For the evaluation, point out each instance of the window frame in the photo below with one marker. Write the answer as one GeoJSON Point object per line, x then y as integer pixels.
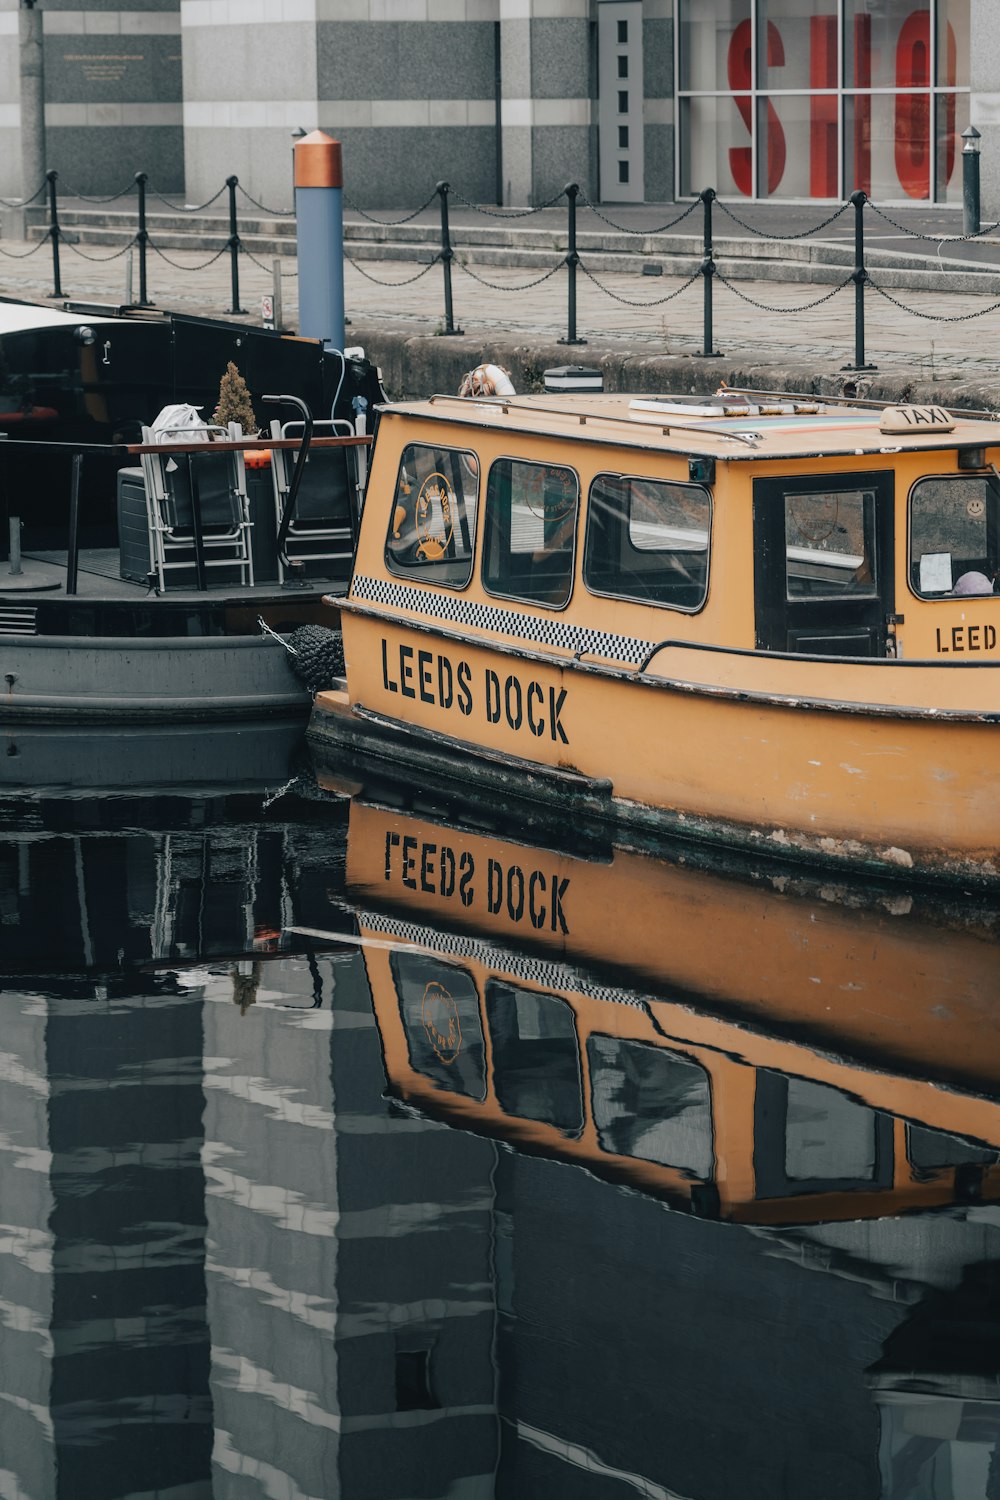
{"type": "Point", "coordinates": [400, 956]}
{"type": "Point", "coordinates": [689, 1058]}
{"type": "Point", "coordinates": [681, 609]}
{"type": "Point", "coordinates": [519, 598]}
{"type": "Point", "coordinates": [515, 987]}
{"type": "Point", "coordinates": [951, 597]}
{"type": "Point", "coordinates": [409, 575]}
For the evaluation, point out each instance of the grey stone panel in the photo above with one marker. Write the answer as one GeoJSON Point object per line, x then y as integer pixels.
{"type": "Point", "coordinates": [657, 59]}
{"type": "Point", "coordinates": [101, 159]}
{"type": "Point", "coordinates": [561, 154]}
{"type": "Point", "coordinates": [262, 159]}
{"type": "Point", "coordinates": [560, 59]}
{"type": "Point", "coordinates": [10, 162]}
{"type": "Point", "coordinates": [658, 141]}
{"type": "Point", "coordinates": [515, 58]}
{"type": "Point", "coordinates": [390, 168]}
{"type": "Point", "coordinates": [405, 60]}
{"type": "Point", "coordinates": [984, 76]}
{"type": "Point", "coordinates": [10, 72]}
{"type": "Point", "coordinates": [168, 5]}
{"type": "Point", "coordinates": [225, 62]}
{"type": "Point", "coordinates": [117, 69]}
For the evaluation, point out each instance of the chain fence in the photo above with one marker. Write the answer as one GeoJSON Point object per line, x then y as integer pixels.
{"type": "Point", "coordinates": [708, 272]}
{"type": "Point", "coordinates": [932, 239]}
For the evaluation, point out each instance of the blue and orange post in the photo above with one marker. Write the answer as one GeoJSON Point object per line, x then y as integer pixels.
{"type": "Point", "coordinates": [319, 212]}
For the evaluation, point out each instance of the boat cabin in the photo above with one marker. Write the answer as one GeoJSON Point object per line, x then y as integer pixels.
{"type": "Point", "coordinates": [599, 525]}
{"type": "Point", "coordinates": [764, 621]}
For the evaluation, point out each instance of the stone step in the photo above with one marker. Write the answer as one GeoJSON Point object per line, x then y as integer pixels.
{"type": "Point", "coordinates": [819, 261]}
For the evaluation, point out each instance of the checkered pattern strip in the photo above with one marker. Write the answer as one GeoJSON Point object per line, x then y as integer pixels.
{"type": "Point", "coordinates": [534, 970]}
{"type": "Point", "coordinates": [538, 628]}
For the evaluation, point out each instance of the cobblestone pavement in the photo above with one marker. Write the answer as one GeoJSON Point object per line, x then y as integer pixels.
{"type": "Point", "coordinates": [932, 334]}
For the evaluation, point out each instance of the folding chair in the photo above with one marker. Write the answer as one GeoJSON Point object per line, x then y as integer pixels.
{"type": "Point", "coordinates": [222, 536]}
{"type": "Point", "coordinates": [320, 528]}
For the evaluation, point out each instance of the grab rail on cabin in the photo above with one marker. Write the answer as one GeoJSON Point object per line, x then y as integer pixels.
{"type": "Point", "coordinates": [896, 662]}
{"type": "Point", "coordinates": [504, 404]}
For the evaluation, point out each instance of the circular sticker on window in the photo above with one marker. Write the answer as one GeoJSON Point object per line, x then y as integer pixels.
{"type": "Point", "coordinates": [439, 1014]}
{"type": "Point", "coordinates": [976, 508]}
{"type": "Point", "coordinates": [434, 517]}
{"type": "Point", "coordinates": [550, 493]}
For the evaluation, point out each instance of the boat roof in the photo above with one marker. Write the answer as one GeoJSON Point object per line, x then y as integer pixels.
{"type": "Point", "coordinates": [731, 425]}
{"type": "Point", "coordinates": [22, 317]}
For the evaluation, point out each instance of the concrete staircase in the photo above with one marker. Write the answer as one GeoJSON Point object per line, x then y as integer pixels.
{"type": "Point", "coordinates": [540, 242]}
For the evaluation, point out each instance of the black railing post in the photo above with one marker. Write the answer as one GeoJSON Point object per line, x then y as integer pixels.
{"type": "Point", "coordinates": [142, 237]}
{"type": "Point", "coordinates": [708, 351]}
{"type": "Point", "coordinates": [232, 183]}
{"type": "Point", "coordinates": [54, 232]}
{"type": "Point", "coordinates": [859, 277]}
{"type": "Point", "coordinates": [572, 191]}
{"type": "Point", "coordinates": [447, 256]}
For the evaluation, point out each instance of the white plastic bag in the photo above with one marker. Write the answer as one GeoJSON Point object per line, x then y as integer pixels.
{"type": "Point", "coordinates": [180, 424]}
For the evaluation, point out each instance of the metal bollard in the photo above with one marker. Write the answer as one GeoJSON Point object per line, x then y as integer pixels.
{"type": "Point", "coordinates": [708, 351]}
{"type": "Point", "coordinates": [54, 233]}
{"type": "Point", "coordinates": [142, 238]}
{"type": "Point", "coordinates": [447, 256]}
{"type": "Point", "coordinates": [572, 191]}
{"type": "Point", "coordinates": [232, 183]}
{"type": "Point", "coordinates": [859, 277]}
{"type": "Point", "coordinates": [970, 180]}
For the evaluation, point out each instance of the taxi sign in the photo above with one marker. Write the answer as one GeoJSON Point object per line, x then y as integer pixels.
{"type": "Point", "coordinates": [897, 419]}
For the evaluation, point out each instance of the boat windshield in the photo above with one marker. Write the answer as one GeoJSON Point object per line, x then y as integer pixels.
{"type": "Point", "coordinates": [955, 536]}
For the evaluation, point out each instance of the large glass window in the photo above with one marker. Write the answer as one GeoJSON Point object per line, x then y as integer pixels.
{"type": "Point", "coordinates": [530, 539]}
{"type": "Point", "coordinates": [955, 536]}
{"type": "Point", "coordinates": [432, 523]}
{"type": "Point", "coordinates": [766, 108]}
{"type": "Point", "coordinates": [648, 540]}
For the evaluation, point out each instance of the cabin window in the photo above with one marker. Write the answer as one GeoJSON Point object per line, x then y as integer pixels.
{"type": "Point", "coordinates": [432, 525]}
{"type": "Point", "coordinates": [536, 1061]}
{"type": "Point", "coordinates": [830, 545]}
{"type": "Point", "coordinates": [955, 536]}
{"type": "Point", "coordinates": [648, 540]}
{"type": "Point", "coordinates": [439, 1008]}
{"type": "Point", "coordinates": [530, 532]}
{"type": "Point", "coordinates": [651, 1104]}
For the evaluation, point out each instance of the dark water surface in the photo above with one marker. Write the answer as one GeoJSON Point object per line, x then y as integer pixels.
{"type": "Point", "coordinates": [349, 1150]}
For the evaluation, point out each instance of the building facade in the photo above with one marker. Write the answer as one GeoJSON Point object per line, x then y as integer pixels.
{"type": "Point", "coordinates": [637, 100]}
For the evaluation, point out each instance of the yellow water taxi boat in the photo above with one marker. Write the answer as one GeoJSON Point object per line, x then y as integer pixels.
{"type": "Point", "coordinates": [769, 622]}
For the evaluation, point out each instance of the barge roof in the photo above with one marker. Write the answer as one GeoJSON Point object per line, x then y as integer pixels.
{"type": "Point", "coordinates": [734, 426]}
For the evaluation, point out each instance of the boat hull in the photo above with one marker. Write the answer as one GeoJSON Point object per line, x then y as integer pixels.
{"type": "Point", "coordinates": [899, 788]}
{"type": "Point", "coordinates": [91, 680]}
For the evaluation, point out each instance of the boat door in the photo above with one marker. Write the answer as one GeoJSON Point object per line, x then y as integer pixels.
{"type": "Point", "coordinates": [823, 563]}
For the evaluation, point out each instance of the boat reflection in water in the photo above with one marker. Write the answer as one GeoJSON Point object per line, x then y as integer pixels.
{"type": "Point", "coordinates": [646, 1090]}
{"type": "Point", "coordinates": [248, 1253]}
